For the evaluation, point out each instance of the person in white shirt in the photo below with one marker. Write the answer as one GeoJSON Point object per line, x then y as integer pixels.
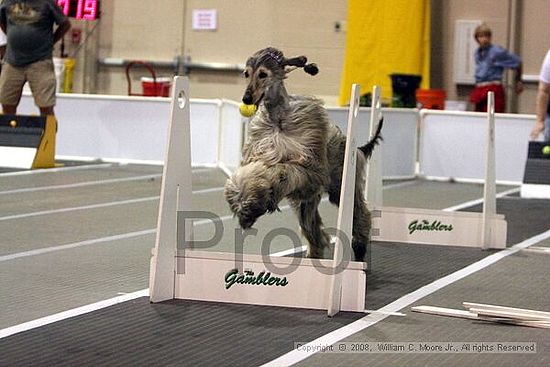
{"type": "Point", "coordinates": [542, 125]}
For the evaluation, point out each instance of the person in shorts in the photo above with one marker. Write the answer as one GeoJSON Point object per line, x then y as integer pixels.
{"type": "Point", "coordinates": [29, 27]}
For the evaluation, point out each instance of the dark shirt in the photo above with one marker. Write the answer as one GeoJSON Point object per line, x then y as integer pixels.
{"type": "Point", "coordinates": [29, 28]}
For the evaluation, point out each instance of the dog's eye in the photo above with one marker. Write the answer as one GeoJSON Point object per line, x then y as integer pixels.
{"type": "Point", "coordinates": [262, 75]}
{"type": "Point", "coordinates": [246, 75]}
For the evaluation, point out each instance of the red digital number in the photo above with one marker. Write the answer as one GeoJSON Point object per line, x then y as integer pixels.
{"type": "Point", "coordinates": [87, 9]}
{"type": "Point", "coordinates": [64, 4]}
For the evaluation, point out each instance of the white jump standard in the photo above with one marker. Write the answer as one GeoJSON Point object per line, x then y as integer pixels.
{"type": "Point", "coordinates": [410, 225]}
{"type": "Point", "coordinates": [240, 278]}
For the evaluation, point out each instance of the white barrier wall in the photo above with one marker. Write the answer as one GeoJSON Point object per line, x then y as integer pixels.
{"type": "Point", "coordinates": [399, 148]}
{"type": "Point", "coordinates": [231, 136]}
{"type": "Point", "coordinates": [128, 128]}
{"type": "Point", "coordinates": [452, 145]}
{"type": "Point", "coordinates": [205, 131]}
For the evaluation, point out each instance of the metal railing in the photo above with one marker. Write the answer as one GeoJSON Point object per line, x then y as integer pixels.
{"type": "Point", "coordinates": [179, 65]}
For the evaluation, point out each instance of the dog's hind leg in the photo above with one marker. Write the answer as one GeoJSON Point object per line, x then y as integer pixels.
{"type": "Point", "coordinates": [312, 226]}
{"type": "Point", "coordinates": [361, 229]}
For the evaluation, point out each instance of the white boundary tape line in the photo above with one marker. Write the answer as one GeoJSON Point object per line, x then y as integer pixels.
{"type": "Point", "coordinates": [94, 241]}
{"type": "Point", "coordinates": [90, 183]}
{"type": "Point", "coordinates": [399, 184]}
{"type": "Point", "coordinates": [335, 336]}
{"type": "Point", "coordinates": [479, 201]}
{"type": "Point", "coordinates": [290, 251]}
{"type": "Point", "coordinates": [75, 208]}
{"type": "Point", "coordinates": [59, 169]}
{"type": "Point", "coordinates": [71, 313]}
{"type": "Point", "coordinates": [80, 184]}
{"type": "Point", "coordinates": [99, 205]}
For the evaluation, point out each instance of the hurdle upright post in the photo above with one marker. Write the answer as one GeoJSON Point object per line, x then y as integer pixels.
{"type": "Point", "coordinates": [373, 189]}
{"type": "Point", "coordinates": [373, 171]}
{"type": "Point", "coordinates": [489, 188]}
{"type": "Point", "coordinates": [175, 195]}
{"type": "Point", "coordinates": [344, 226]}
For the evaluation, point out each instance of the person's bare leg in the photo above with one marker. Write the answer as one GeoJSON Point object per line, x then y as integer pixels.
{"type": "Point", "coordinates": [9, 109]}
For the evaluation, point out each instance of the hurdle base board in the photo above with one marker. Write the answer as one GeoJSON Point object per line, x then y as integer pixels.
{"type": "Point", "coordinates": [393, 224]}
{"type": "Point", "coordinates": [535, 191]}
{"type": "Point", "coordinates": [17, 157]}
{"type": "Point", "coordinates": [201, 275]}
{"type": "Point", "coordinates": [37, 154]}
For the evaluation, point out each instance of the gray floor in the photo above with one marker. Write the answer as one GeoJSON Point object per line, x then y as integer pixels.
{"type": "Point", "coordinates": [520, 280]}
{"type": "Point", "coordinates": [75, 237]}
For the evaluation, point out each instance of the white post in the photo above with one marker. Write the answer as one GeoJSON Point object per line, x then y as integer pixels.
{"type": "Point", "coordinates": [373, 189]}
{"type": "Point", "coordinates": [175, 195]}
{"type": "Point", "coordinates": [489, 190]}
{"type": "Point", "coordinates": [345, 210]}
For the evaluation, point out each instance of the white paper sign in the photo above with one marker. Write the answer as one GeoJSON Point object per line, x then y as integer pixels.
{"type": "Point", "coordinates": [205, 19]}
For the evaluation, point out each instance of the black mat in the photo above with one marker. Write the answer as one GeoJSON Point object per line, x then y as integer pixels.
{"type": "Point", "coordinates": [537, 171]}
{"type": "Point", "coordinates": [175, 333]}
{"type": "Point", "coordinates": [184, 333]}
{"type": "Point", "coordinates": [525, 217]}
{"type": "Point", "coordinates": [399, 269]}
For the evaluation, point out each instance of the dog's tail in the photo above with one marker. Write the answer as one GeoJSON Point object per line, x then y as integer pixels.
{"type": "Point", "coordinates": [369, 147]}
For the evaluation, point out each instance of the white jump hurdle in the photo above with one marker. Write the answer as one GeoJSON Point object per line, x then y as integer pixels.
{"type": "Point", "coordinates": [410, 225]}
{"type": "Point", "coordinates": [241, 278]}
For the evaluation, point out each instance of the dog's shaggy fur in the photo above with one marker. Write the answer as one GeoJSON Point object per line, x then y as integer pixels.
{"type": "Point", "coordinates": [293, 151]}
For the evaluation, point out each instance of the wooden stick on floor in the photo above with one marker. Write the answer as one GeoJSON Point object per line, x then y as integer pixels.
{"type": "Point", "coordinates": [507, 311]}
{"type": "Point", "coordinates": [450, 312]}
{"type": "Point", "coordinates": [537, 249]}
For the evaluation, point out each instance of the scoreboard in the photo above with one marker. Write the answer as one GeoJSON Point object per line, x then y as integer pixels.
{"type": "Point", "coordinates": [80, 9]}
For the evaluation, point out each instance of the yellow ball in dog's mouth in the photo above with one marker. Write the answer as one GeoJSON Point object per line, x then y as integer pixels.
{"type": "Point", "coordinates": [247, 110]}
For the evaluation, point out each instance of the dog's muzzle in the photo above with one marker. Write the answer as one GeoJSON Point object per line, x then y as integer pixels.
{"type": "Point", "coordinates": [247, 98]}
{"type": "Point", "coordinates": [246, 222]}
{"type": "Point", "coordinates": [247, 218]}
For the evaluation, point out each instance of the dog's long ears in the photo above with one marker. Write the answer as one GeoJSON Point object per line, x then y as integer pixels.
{"type": "Point", "coordinates": [369, 147]}
{"type": "Point", "coordinates": [311, 69]}
{"type": "Point", "coordinates": [301, 62]}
